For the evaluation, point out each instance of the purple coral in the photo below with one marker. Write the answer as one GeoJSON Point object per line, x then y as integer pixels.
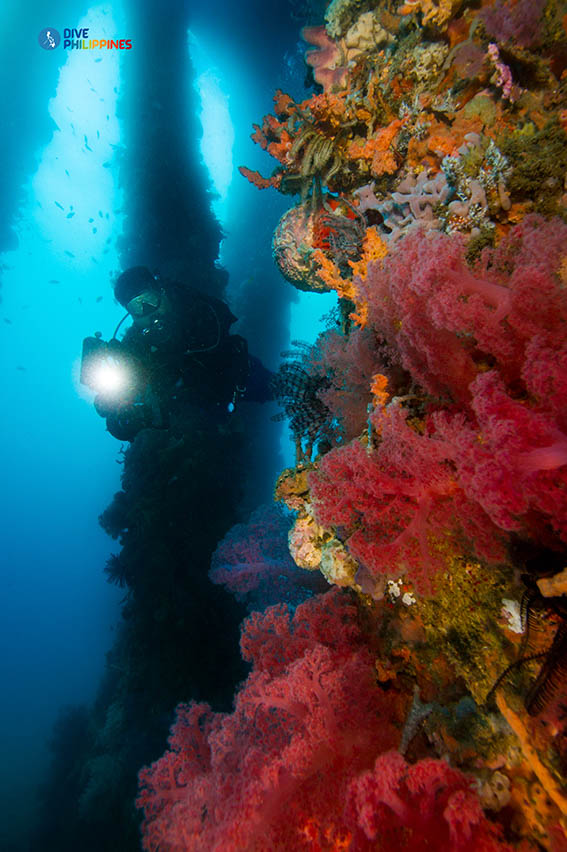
{"type": "Point", "coordinates": [413, 204]}
{"type": "Point", "coordinates": [515, 22]}
{"type": "Point", "coordinates": [253, 562]}
{"type": "Point", "coordinates": [324, 59]}
{"type": "Point", "coordinates": [504, 81]}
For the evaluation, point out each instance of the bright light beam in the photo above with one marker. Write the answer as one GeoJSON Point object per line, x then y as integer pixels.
{"type": "Point", "coordinates": [110, 378]}
{"type": "Point", "coordinates": [218, 131]}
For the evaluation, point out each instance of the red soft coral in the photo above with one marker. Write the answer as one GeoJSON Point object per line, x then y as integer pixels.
{"type": "Point", "coordinates": [425, 806]}
{"type": "Point", "coordinates": [511, 460]}
{"type": "Point", "coordinates": [446, 321]}
{"type": "Point", "coordinates": [393, 504]}
{"type": "Point", "coordinates": [274, 773]}
{"type": "Point", "coordinates": [492, 342]}
{"type": "Point", "coordinates": [349, 362]}
{"type": "Point", "coordinates": [271, 640]}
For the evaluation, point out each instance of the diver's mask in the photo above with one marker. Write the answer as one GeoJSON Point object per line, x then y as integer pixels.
{"type": "Point", "coordinates": [144, 304]}
{"type": "Point", "coordinates": [151, 313]}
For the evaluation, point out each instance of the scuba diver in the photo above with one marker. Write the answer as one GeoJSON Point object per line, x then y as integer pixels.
{"type": "Point", "coordinates": [178, 348]}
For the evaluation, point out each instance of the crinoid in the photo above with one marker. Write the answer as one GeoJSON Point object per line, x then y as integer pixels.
{"type": "Point", "coordinates": [315, 155]}
{"type": "Point", "coordinates": [536, 611]}
{"type": "Point", "coordinates": [296, 390]}
{"type": "Point", "coordinates": [117, 570]}
{"type": "Point", "coordinates": [552, 676]}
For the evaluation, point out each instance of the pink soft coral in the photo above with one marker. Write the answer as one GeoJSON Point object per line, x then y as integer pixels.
{"type": "Point", "coordinates": [446, 321]}
{"type": "Point", "coordinates": [311, 732]}
{"type": "Point", "coordinates": [254, 563]}
{"type": "Point", "coordinates": [274, 773]}
{"type": "Point", "coordinates": [512, 459]}
{"type": "Point", "coordinates": [425, 806]}
{"type": "Point", "coordinates": [393, 503]}
{"type": "Point", "coordinates": [489, 455]}
{"type": "Point", "coordinates": [324, 59]}
{"type": "Point", "coordinates": [349, 362]}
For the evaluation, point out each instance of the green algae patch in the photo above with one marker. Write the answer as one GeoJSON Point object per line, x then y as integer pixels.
{"type": "Point", "coordinates": [539, 163]}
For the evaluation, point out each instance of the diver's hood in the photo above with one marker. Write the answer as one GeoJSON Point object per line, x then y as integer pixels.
{"type": "Point", "coordinates": [132, 282]}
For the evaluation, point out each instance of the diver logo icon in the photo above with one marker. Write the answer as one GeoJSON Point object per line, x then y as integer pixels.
{"type": "Point", "coordinates": [49, 38]}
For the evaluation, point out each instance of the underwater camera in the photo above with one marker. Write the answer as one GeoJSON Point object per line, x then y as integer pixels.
{"type": "Point", "coordinates": [104, 368]}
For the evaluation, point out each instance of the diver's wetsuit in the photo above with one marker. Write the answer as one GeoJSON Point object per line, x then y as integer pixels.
{"type": "Point", "coordinates": [187, 353]}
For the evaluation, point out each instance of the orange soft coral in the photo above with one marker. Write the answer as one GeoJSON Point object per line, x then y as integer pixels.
{"type": "Point", "coordinates": [279, 150]}
{"type": "Point", "coordinates": [257, 179]}
{"type": "Point", "coordinates": [345, 288]}
{"type": "Point", "coordinates": [373, 249]}
{"type": "Point", "coordinates": [327, 109]}
{"type": "Point", "coordinates": [442, 140]}
{"type": "Point", "coordinates": [438, 12]}
{"type": "Point", "coordinates": [283, 103]}
{"type": "Point", "coordinates": [379, 149]}
{"type": "Point", "coordinates": [379, 392]}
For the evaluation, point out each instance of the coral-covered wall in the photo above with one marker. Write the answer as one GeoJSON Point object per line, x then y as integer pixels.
{"type": "Point", "coordinates": [422, 703]}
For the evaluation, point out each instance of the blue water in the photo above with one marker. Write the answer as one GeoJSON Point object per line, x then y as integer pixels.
{"type": "Point", "coordinates": [61, 154]}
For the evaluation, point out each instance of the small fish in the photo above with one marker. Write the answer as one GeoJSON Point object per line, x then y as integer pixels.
{"type": "Point", "coordinates": [100, 213]}
{"type": "Point", "coordinates": [95, 230]}
{"type": "Point", "coordinates": [70, 215]}
{"type": "Point", "coordinates": [69, 108]}
{"type": "Point", "coordinates": [54, 281]}
{"type": "Point", "coordinates": [99, 59]}
{"type": "Point", "coordinates": [59, 205]}
{"type": "Point", "coordinates": [88, 148]}
{"type": "Point", "coordinates": [98, 134]}
{"type": "Point", "coordinates": [70, 253]}
{"type": "Point", "coordinates": [108, 215]}
{"type": "Point", "coordinates": [21, 369]}
{"type": "Point", "coordinates": [106, 165]}
{"type": "Point", "coordinates": [93, 90]}
{"type": "Point", "coordinates": [94, 260]}
{"type": "Point", "coordinates": [99, 298]}
{"type": "Point", "coordinates": [7, 321]}
{"type": "Point", "coordinates": [91, 220]}
{"type": "Point", "coordinates": [108, 239]}
{"type": "Point", "coordinates": [116, 90]}
{"type": "Point", "coordinates": [80, 301]}
{"type": "Point", "coordinates": [67, 172]}
{"type": "Point", "coordinates": [108, 118]}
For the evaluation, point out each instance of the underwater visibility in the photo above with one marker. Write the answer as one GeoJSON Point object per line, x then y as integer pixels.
{"type": "Point", "coordinates": [290, 573]}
